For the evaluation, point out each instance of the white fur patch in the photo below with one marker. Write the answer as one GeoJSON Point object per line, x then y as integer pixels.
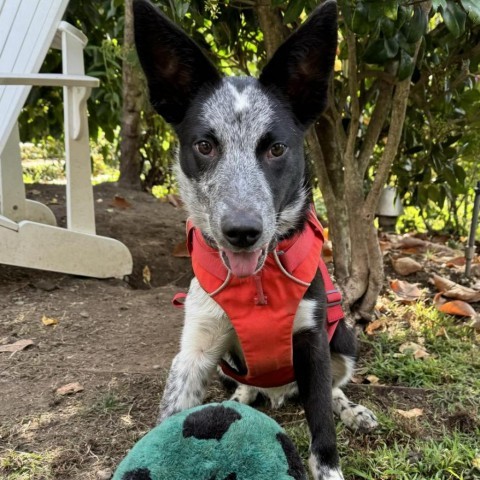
{"type": "Point", "coordinates": [241, 99]}
{"type": "Point", "coordinates": [305, 316]}
{"type": "Point", "coordinates": [322, 472]}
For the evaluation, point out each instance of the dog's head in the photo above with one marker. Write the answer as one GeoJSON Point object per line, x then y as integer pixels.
{"type": "Point", "coordinates": [241, 164]}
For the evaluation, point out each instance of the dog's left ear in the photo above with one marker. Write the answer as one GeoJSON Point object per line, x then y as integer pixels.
{"type": "Point", "coordinates": [301, 67]}
{"type": "Point", "coordinates": [175, 67]}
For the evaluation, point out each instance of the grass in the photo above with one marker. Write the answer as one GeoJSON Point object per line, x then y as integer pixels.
{"type": "Point", "coordinates": [442, 443]}
{"type": "Point", "coordinates": [17, 465]}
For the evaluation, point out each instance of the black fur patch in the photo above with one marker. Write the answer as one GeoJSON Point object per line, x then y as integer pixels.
{"type": "Point", "coordinates": [210, 423]}
{"type": "Point", "coordinates": [230, 476]}
{"type": "Point", "coordinates": [137, 474]}
{"type": "Point", "coordinates": [295, 466]}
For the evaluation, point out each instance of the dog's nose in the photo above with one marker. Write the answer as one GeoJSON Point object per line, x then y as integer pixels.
{"type": "Point", "coordinates": [242, 230]}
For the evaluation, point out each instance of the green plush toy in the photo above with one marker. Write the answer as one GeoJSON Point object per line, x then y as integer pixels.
{"type": "Point", "coordinates": [218, 441]}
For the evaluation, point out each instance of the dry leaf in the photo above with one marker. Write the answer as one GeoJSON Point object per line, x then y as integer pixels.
{"type": "Point", "coordinates": [69, 389]}
{"type": "Point", "coordinates": [376, 325]}
{"type": "Point", "coordinates": [385, 246]}
{"type": "Point", "coordinates": [373, 379]}
{"type": "Point", "coordinates": [180, 250]}
{"type": "Point", "coordinates": [120, 202]}
{"type": "Point", "coordinates": [406, 292]}
{"type": "Point", "coordinates": [454, 290]}
{"type": "Point", "coordinates": [410, 242]}
{"type": "Point", "coordinates": [418, 351]}
{"type": "Point", "coordinates": [406, 266]}
{"type": "Point", "coordinates": [456, 262]}
{"type": "Point", "coordinates": [147, 276]}
{"type": "Point", "coordinates": [16, 347]}
{"type": "Point", "coordinates": [457, 307]}
{"type": "Point", "coordinates": [413, 413]}
{"type": "Point", "coordinates": [49, 321]}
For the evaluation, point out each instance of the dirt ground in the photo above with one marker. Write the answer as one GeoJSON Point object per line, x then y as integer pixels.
{"type": "Point", "coordinates": [115, 337]}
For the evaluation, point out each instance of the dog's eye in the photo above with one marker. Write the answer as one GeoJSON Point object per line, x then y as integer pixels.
{"type": "Point", "coordinates": [204, 148]}
{"type": "Point", "coordinates": [277, 150]}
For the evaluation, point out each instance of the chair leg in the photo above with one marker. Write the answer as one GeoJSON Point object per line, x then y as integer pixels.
{"type": "Point", "coordinates": [12, 189]}
{"type": "Point", "coordinates": [80, 204]}
{"type": "Point", "coordinates": [13, 204]}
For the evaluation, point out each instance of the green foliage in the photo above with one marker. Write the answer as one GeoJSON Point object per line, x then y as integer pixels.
{"type": "Point", "coordinates": [436, 164]}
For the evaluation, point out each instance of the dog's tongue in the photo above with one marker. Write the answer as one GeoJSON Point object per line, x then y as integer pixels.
{"type": "Point", "coordinates": [243, 264]}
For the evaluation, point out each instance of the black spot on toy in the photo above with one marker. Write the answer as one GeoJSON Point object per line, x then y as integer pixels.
{"type": "Point", "coordinates": [227, 441]}
{"type": "Point", "coordinates": [137, 474]}
{"type": "Point", "coordinates": [212, 422]}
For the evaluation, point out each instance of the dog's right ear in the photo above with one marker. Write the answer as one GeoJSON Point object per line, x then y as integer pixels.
{"type": "Point", "coordinates": [174, 65]}
{"type": "Point", "coordinates": [301, 67]}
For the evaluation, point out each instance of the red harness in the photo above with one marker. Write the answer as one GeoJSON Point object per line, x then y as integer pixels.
{"type": "Point", "coordinates": [262, 307]}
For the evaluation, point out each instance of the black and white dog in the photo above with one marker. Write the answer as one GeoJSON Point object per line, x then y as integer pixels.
{"type": "Point", "coordinates": [243, 178]}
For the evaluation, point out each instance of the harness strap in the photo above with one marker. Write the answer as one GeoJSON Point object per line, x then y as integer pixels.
{"type": "Point", "coordinates": [334, 300]}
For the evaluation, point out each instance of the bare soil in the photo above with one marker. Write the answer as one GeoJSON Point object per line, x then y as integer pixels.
{"type": "Point", "coordinates": [115, 337]}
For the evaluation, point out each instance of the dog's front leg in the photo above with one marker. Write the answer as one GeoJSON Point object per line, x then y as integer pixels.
{"type": "Point", "coordinates": [311, 359]}
{"type": "Point", "coordinates": [206, 336]}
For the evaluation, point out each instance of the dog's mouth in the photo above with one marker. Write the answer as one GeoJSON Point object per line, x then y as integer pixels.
{"type": "Point", "coordinates": [244, 264]}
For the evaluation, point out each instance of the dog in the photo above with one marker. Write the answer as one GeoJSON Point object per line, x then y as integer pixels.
{"type": "Point", "coordinates": [244, 179]}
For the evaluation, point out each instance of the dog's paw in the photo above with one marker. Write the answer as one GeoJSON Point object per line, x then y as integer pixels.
{"type": "Point", "coordinates": [358, 418]}
{"type": "Point", "coordinates": [322, 472]}
{"type": "Point", "coordinates": [244, 394]}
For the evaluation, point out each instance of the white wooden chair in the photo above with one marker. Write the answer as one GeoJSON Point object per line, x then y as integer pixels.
{"type": "Point", "coordinates": [29, 236]}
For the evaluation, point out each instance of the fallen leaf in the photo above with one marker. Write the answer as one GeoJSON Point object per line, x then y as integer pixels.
{"type": "Point", "coordinates": [454, 290]}
{"type": "Point", "coordinates": [147, 276]}
{"type": "Point", "coordinates": [180, 250]}
{"type": "Point", "coordinates": [411, 242]}
{"type": "Point", "coordinates": [17, 346]}
{"type": "Point", "coordinates": [418, 351]}
{"type": "Point", "coordinates": [385, 246]}
{"type": "Point", "coordinates": [413, 413]}
{"type": "Point", "coordinates": [456, 262]}
{"type": "Point", "coordinates": [406, 292]}
{"type": "Point", "coordinates": [69, 389]}
{"type": "Point", "coordinates": [49, 321]}
{"type": "Point", "coordinates": [406, 266]}
{"type": "Point", "coordinates": [475, 270]}
{"type": "Point", "coordinates": [174, 200]}
{"type": "Point", "coordinates": [457, 307]}
{"type": "Point", "coordinates": [373, 379]}
{"type": "Point", "coordinates": [375, 325]}
{"type": "Point", "coordinates": [120, 202]}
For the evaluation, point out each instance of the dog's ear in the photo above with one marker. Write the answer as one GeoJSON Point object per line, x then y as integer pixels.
{"type": "Point", "coordinates": [174, 65]}
{"type": "Point", "coordinates": [301, 67]}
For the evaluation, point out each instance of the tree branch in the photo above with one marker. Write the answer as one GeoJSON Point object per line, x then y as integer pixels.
{"type": "Point", "coordinates": [354, 102]}
{"type": "Point", "coordinates": [379, 115]}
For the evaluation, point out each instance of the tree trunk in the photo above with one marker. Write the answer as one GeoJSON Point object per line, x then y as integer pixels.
{"type": "Point", "coordinates": [133, 100]}
{"type": "Point", "coordinates": [340, 166]}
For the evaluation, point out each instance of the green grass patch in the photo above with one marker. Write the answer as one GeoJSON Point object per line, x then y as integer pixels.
{"type": "Point", "coordinates": [16, 465]}
{"type": "Point", "coordinates": [442, 443]}
{"type": "Point", "coordinates": [453, 361]}
{"type": "Point", "coordinates": [449, 457]}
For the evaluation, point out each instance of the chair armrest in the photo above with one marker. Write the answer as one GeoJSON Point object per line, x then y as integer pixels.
{"type": "Point", "coordinates": [48, 80]}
